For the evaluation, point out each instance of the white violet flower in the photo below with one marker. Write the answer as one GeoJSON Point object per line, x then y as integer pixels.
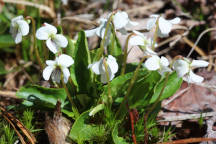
{"type": "Point", "coordinates": [140, 40]}
{"type": "Point", "coordinates": [99, 31]}
{"type": "Point", "coordinates": [121, 21]}
{"type": "Point", "coordinates": [184, 67]}
{"type": "Point", "coordinates": [57, 67]}
{"type": "Point", "coordinates": [165, 26]}
{"type": "Point", "coordinates": [99, 68]}
{"type": "Point", "coordinates": [54, 41]}
{"type": "Point", "coordinates": [157, 63]}
{"type": "Point", "coordinates": [19, 27]}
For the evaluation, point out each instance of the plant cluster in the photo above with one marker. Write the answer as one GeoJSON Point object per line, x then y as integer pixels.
{"type": "Point", "coordinates": [99, 105]}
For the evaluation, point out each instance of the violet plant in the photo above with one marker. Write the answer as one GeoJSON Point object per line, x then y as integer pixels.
{"type": "Point", "coordinates": [98, 86]}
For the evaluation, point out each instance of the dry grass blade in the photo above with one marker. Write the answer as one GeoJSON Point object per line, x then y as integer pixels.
{"type": "Point", "coordinates": [15, 122]}
{"type": "Point", "coordinates": [27, 3]}
{"type": "Point", "coordinates": [190, 140]}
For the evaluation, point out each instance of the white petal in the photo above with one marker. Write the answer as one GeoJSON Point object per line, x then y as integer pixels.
{"type": "Point", "coordinates": [164, 26]}
{"type": "Point", "coordinates": [14, 20]}
{"type": "Point", "coordinates": [152, 63]}
{"type": "Point", "coordinates": [164, 61]}
{"type": "Point", "coordinates": [131, 23]}
{"type": "Point", "coordinates": [112, 64]}
{"type": "Point", "coordinates": [104, 78]}
{"type": "Point", "coordinates": [61, 40]}
{"type": "Point", "coordinates": [50, 62]}
{"type": "Point", "coordinates": [149, 51]}
{"type": "Point", "coordinates": [181, 67]}
{"type": "Point", "coordinates": [47, 72]}
{"type": "Point", "coordinates": [23, 27]}
{"type": "Point", "coordinates": [18, 37]}
{"type": "Point", "coordinates": [91, 32]}
{"type": "Point", "coordinates": [175, 20]}
{"type": "Point", "coordinates": [95, 66]}
{"type": "Point", "coordinates": [136, 40]}
{"type": "Point", "coordinates": [193, 78]}
{"type": "Point", "coordinates": [100, 31]}
{"type": "Point", "coordinates": [66, 74]}
{"type": "Point", "coordinates": [65, 60]}
{"type": "Point", "coordinates": [42, 34]}
{"type": "Point", "coordinates": [164, 69]}
{"type": "Point", "coordinates": [50, 28]}
{"type": "Point", "coordinates": [151, 23]}
{"type": "Point", "coordinates": [52, 46]}
{"type": "Point", "coordinates": [199, 63]}
{"type": "Point", "coordinates": [154, 16]}
{"type": "Point", "coordinates": [120, 20]}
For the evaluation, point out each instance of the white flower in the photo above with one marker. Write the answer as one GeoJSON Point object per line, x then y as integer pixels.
{"type": "Point", "coordinates": [184, 69]}
{"type": "Point", "coordinates": [64, 2]}
{"type": "Point", "coordinates": [99, 31]}
{"type": "Point", "coordinates": [141, 40]}
{"type": "Point", "coordinates": [121, 21]}
{"type": "Point", "coordinates": [19, 27]}
{"type": "Point", "coordinates": [56, 67]}
{"type": "Point", "coordinates": [165, 26]}
{"type": "Point", "coordinates": [157, 63]}
{"type": "Point", "coordinates": [99, 68]}
{"type": "Point", "coordinates": [54, 41]}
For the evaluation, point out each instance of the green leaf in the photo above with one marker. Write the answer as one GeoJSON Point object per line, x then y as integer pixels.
{"type": "Point", "coordinates": [38, 95]}
{"type": "Point", "coordinates": [116, 138]}
{"type": "Point", "coordinates": [173, 84]}
{"type": "Point", "coordinates": [82, 60]}
{"type": "Point", "coordinates": [6, 41]}
{"type": "Point", "coordinates": [141, 91]}
{"type": "Point", "coordinates": [2, 68]}
{"type": "Point", "coordinates": [120, 83]}
{"type": "Point", "coordinates": [81, 131]}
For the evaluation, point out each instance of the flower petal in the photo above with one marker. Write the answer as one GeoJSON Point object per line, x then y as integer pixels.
{"type": "Point", "coordinates": [47, 72]}
{"type": "Point", "coordinates": [151, 23]}
{"type": "Point", "coordinates": [120, 20]}
{"type": "Point", "coordinates": [91, 32]}
{"type": "Point", "coordinates": [199, 63]}
{"type": "Point", "coordinates": [95, 67]}
{"type": "Point", "coordinates": [50, 28]}
{"type": "Point", "coordinates": [175, 20]}
{"type": "Point", "coordinates": [163, 70]}
{"type": "Point", "coordinates": [136, 40]}
{"type": "Point", "coordinates": [15, 19]}
{"type": "Point", "coordinates": [164, 61]}
{"type": "Point", "coordinates": [181, 67]}
{"type": "Point", "coordinates": [65, 60]}
{"type": "Point", "coordinates": [193, 78]}
{"type": "Point", "coordinates": [52, 46]}
{"type": "Point", "coordinates": [164, 26]}
{"type": "Point", "coordinates": [42, 34]}
{"type": "Point", "coordinates": [66, 74]}
{"type": "Point", "coordinates": [131, 23]}
{"type": "Point", "coordinates": [112, 64]}
{"type": "Point", "coordinates": [50, 62]}
{"type": "Point", "coordinates": [23, 27]}
{"type": "Point", "coordinates": [61, 40]}
{"type": "Point", "coordinates": [152, 63]}
{"type": "Point", "coordinates": [149, 51]}
{"type": "Point", "coordinates": [18, 37]}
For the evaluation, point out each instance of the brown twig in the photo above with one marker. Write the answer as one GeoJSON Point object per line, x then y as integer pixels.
{"type": "Point", "coordinates": [189, 140]}
{"type": "Point", "coordinates": [132, 124]}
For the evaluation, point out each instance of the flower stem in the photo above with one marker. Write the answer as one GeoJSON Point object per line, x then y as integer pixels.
{"type": "Point", "coordinates": [125, 54]}
{"type": "Point", "coordinates": [74, 108]}
{"type": "Point", "coordinates": [108, 82]}
{"type": "Point", "coordinates": [133, 79]}
{"type": "Point", "coordinates": [155, 34]}
{"type": "Point", "coordinates": [34, 42]}
{"type": "Point", "coordinates": [153, 107]}
{"type": "Point", "coordinates": [104, 37]}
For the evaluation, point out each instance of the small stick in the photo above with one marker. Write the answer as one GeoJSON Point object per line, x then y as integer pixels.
{"type": "Point", "coordinates": [189, 140]}
{"type": "Point", "coordinates": [187, 116]}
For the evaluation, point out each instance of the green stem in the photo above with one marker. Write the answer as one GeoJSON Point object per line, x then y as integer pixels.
{"type": "Point", "coordinates": [155, 34]}
{"type": "Point", "coordinates": [74, 108]}
{"type": "Point", "coordinates": [130, 86]}
{"type": "Point", "coordinates": [104, 37]}
{"type": "Point", "coordinates": [125, 54]}
{"type": "Point", "coordinates": [34, 42]}
{"type": "Point", "coordinates": [108, 82]}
